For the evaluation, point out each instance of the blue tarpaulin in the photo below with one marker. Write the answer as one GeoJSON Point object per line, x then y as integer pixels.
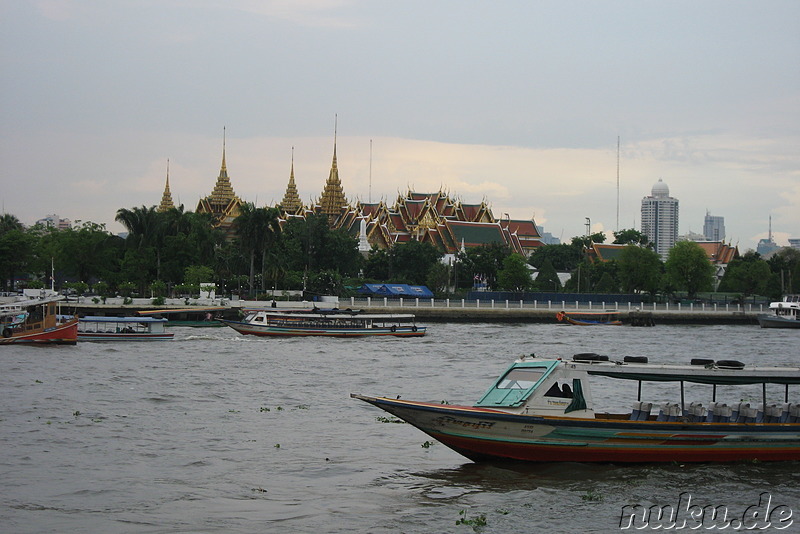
{"type": "Point", "coordinates": [396, 290]}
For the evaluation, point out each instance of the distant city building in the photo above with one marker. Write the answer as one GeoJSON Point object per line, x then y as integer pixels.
{"type": "Point", "coordinates": [53, 221]}
{"type": "Point", "coordinates": [547, 237]}
{"type": "Point", "coordinates": [693, 236]}
{"type": "Point", "coordinates": [714, 228]}
{"type": "Point", "coordinates": [766, 247]}
{"type": "Point", "coordinates": [660, 218]}
{"type": "Point", "coordinates": [794, 242]}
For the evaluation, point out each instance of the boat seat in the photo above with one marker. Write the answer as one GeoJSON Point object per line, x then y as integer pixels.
{"type": "Point", "coordinates": [711, 415]}
{"type": "Point", "coordinates": [722, 413]}
{"type": "Point", "coordinates": [644, 412]}
{"type": "Point", "coordinates": [669, 412]}
{"type": "Point", "coordinates": [760, 414]}
{"type": "Point", "coordinates": [698, 413]}
{"type": "Point", "coordinates": [635, 411]}
{"type": "Point", "coordinates": [736, 412]}
{"type": "Point", "coordinates": [794, 413]}
{"type": "Point", "coordinates": [747, 414]}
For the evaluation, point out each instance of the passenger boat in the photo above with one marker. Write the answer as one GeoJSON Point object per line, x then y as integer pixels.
{"type": "Point", "coordinates": [36, 321]}
{"type": "Point", "coordinates": [97, 328]}
{"type": "Point", "coordinates": [783, 314]}
{"type": "Point", "coordinates": [543, 410]}
{"type": "Point", "coordinates": [335, 323]}
{"type": "Point", "coordinates": [586, 318]}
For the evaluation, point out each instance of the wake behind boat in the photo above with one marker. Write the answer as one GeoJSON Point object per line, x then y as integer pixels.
{"type": "Point", "coordinates": [542, 410]}
{"type": "Point", "coordinates": [335, 323]}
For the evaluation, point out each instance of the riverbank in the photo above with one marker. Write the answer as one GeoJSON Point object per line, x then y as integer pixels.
{"type": "Point", "coordinates": [436, 314]}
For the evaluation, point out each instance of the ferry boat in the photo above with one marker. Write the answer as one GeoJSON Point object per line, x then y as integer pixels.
{"type": "Point", "coordinates": [36, 321]}
{"type": "Point", "coordinates": [98, 328]}
{"type": "Point", "coordinates": [542, 410]}
{"type": "Point", "coordinates": [587, 318]}
{"type": "Point", "coordinates": [783, 314]}
{"type": "Point", "coordinates": [335, 323]}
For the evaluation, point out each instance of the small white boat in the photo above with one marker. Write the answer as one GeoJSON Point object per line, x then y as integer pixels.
{"type": "Point", "coordinates": [334, 323]}
{"type": "Point", "coordinates": [783, 314]}
{"type": "Point", "coordinates": [97, 328]}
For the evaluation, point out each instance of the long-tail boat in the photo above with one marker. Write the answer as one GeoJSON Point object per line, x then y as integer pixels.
{"type": "Point", "coordinates": [542, 410]}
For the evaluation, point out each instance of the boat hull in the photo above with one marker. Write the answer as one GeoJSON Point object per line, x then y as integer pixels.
{"type": "Point", "coordinates": [278, 331]}
{"type": "Point", "coordinates": [63, 334]}
{"type": "Point", "coordinates": [484, 434]}
{"type": "Point", "coordinates": [774, 321]}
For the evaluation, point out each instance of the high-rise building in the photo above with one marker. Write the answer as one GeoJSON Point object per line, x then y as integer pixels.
{"type": "Point", "coordinates": [660, 218]}
{"type": "Point", "coordinates": [714, 228]}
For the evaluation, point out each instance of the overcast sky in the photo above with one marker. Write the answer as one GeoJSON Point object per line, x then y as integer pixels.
{"type": "Point", "coordinates": [518, 103]}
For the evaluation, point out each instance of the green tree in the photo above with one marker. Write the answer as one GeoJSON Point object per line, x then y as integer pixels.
{"type": "Point", "coordinates": [587, 241]}
{"type": "Point", "coordinates": [515, 274]}
{"type": "Point", "coordinates": [438, 279]}
{"type": "Point", "coordinates": [639, 270]}
{"type": "Point", "coordinates": [16, 254]}
{"type": "Point", "coordinates": [785, 266]}
{"type": "Point", "coordinates": [748, 275]}
{"type": "Point", "coordinates": [257, 230]}
{"type": "Point", "coordinates": [547, 279]}
{"type": "Point", "coordinates": [483, 262]}
{"type": "Point", "coordinates": [147, 228]}
{"type": "Point", "coordinates": [563, 257]}
{"type": "Point", "coordinates": [631, 237]}
{"type": "Point", "coordinates": [688, 268]}
{"type": "Point", "coordinates": [194, 275]}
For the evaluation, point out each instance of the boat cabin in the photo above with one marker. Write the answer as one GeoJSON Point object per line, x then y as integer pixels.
{"type": "Point", "coordinates": [558, 388]}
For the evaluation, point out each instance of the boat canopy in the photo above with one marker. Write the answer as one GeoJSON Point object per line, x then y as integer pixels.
{"type": "Point", "coordinates": [684, 373]}
{"type": "Point", "coordinates": [103, 319]}
{"type": "Point", "coordinates": [514, 386]}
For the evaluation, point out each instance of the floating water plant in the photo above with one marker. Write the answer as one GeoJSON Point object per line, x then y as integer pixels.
{"type": "Point", "coordinates": [475, 522]}
{"type": "Point", "coordinates": [389, 420]}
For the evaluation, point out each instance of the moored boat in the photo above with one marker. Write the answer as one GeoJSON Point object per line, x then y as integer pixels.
{"type": "Point", "coordinates": [334, 323]}
{"type": "Point", "coordinates": [36, 321]}
{"type": "Point", "coordinates": [98, 328]}
{"type": "Point", "coordinates": [195, 316]}
{"type": "Point", "coordinates": [782, 314]}
{"type": "Point", "coordinates": [588, 318]}
{"type": "Point", "coordinates": [543, 410]}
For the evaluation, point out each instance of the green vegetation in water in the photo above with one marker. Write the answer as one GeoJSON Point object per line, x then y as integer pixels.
{"type": "Point", "coordinates": [38, 381]}
{"type": "Point", "coordinates": [427, 444]}
{"type": "Point", "coordinates": [475, 522]}
{"type": "Point", "coordinates": [277, 445]}
{"type": "Point", "coordinates": [382, 419]}
{"type": "Point", "coordinates": [279, 408]}
{"type": "Point", "coordinates": [302, 407]}
{"type": "Point", "coordinates": [592, 496]}
{"type": "Point", "coordinates": [76, 413]}
{"type": "Point", "coordinates": [264, 409]}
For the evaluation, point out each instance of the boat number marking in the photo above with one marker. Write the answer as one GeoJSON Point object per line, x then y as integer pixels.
{"type": "Point", "coordinates": [446, 419]}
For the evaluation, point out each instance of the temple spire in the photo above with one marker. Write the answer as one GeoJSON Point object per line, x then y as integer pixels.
{"type": "Point", "coordinates": [166, 198]}
{"type": "Point", "coordinates": [223, 190]}
{"type": "Point", "coordinates": [333, 200]}
{"type": "Point", "coordinates": [291, 202]}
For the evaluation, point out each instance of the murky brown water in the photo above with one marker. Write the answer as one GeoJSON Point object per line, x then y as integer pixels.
{"type": "Point", "coordinates": [215, 432]}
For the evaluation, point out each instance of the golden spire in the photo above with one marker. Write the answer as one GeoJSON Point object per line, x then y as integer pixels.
{"type": "Point", "coordinates": [223, 191]}
{"type": "Point", "coordinates": [166, 198]}
{"type": "Point", "coordinates": [291, 202]}
{"type": "Point", "coordinates": [332, 200]}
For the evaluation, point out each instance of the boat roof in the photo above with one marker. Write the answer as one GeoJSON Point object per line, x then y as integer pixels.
{"type": "Point", "coordinates": [180, 310]}
{"type": "Point", "coordinates": [103, 319]}
{"type": "Point", "coordinates": [717, 373]}
{"type": "Point", "coordinates": [323, 314]}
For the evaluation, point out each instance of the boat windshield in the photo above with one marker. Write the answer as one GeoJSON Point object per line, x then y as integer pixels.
{"type": "Point", "coordinates": [521, 378]}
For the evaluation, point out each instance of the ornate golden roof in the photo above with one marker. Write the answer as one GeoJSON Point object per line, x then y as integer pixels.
{"type": "Point", "coordinates": [291, 202]}
{"type": "Point", "coordinates": [332, 200]}
{"type": "Point", "coordinates": [166, 198]}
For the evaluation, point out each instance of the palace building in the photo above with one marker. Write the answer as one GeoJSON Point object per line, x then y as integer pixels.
{"type": "Point", "coordinates": [435, 218]}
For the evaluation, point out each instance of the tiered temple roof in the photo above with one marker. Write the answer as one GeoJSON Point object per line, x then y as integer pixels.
{"type": "Point", "coordinates": [291, 203]}
{"type": "Point", "coordinates": [223, 203]}
{"type": "Point", "coordinates": [166, 198]}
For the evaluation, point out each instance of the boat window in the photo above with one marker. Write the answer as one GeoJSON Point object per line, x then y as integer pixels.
{"type": "Point", "coordinates": [558, 390]}
{"type": "Point", "coordinates": [521, 378]}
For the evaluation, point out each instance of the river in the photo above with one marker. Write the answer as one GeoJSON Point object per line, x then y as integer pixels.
{"type": "Point", "coordinates": [214, 432]}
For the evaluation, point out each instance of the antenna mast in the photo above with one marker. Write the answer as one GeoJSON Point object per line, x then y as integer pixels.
{"type": "Point", "coordinates": [370, 171]}
{"type": "Point", "coordinates": [617, 183]}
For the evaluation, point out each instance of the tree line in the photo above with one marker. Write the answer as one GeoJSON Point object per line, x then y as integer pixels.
{"type": "Point", "coordinates": [172, 253]}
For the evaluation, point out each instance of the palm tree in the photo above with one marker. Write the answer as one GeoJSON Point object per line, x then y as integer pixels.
{"type": "Point", "coordinates": [9, 222]}
{"type": "Point", "coordinates": [257, 230]}
{"type": "Point", "coordinates": [146, 228]}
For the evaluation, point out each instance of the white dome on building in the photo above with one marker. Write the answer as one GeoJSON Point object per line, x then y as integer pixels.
{"type": "Point", "coordinates": [660, 189]}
